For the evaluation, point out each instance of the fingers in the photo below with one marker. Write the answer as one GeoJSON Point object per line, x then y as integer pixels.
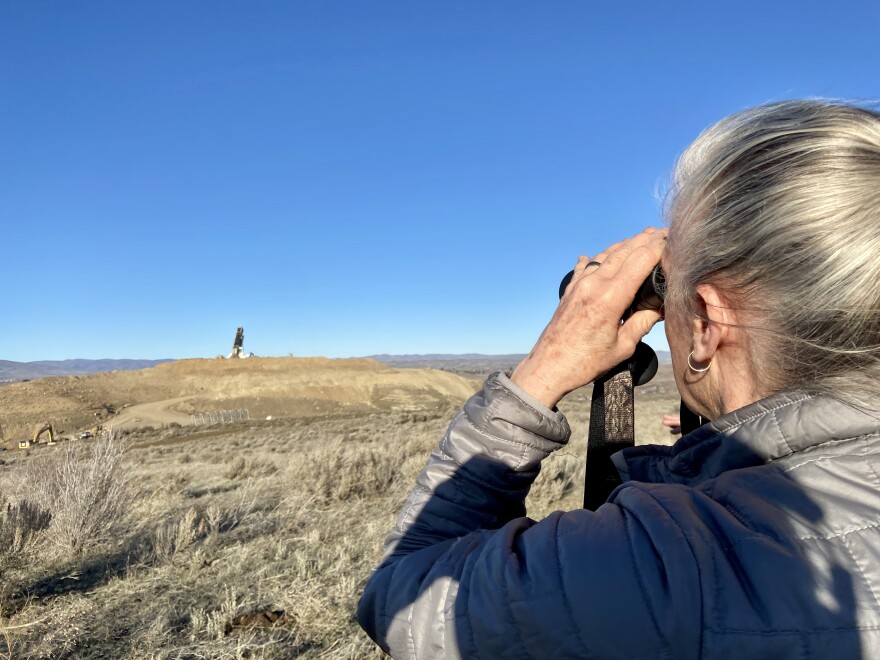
{"type": "Point", "coordinates": [577, 272]}
{"type": "Point", "coordinates": [636, 327]}
{"type": "Point", "coordinates": [584, 266]}
{"type": "Point", "coordinates": [603, 255]}
{"type": "Point", "coordinates": [673, 422]}
{"type": "Point", "coordinates": [624, 266]}
{"type": "Point", "coordinates": [617, 286]}
{"type": "Point", "coordinates": [618, 253]}
{"type": "Point", "coordinates": [615, 255]}
{"type": "Point", "coordinates": [639, 263]}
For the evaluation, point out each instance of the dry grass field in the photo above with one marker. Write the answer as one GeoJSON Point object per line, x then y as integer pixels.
{"type": "Point", "coordinates": [249, 540]}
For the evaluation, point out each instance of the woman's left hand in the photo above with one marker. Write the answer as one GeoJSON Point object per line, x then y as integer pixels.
{"type": "Point", "coordinates": [585, 337]}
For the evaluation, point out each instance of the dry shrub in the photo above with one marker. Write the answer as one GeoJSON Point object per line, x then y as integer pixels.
{"type": "Point", "coordinates": [245, 468]}
{"type": "Point", "coordinates": [176, 535]}
{"type": "Point", "coordinates": [85, 488]}
{"type": "Point", "coordinates": [235, 469]}
{"type": "Point", "coordinates": [337, 471]}
{"type": "Point", "coordinates": [229, 516]}
{"type": "Point", "coordinates": [21, 525]}
{"type": "Point", "coordinates": [216, 624]}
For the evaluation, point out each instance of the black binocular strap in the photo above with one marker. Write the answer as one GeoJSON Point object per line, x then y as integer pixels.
{"type": "Point", "coordinates": [612, 428]}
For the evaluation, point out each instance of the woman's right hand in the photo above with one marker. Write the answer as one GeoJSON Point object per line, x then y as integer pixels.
{"type": "Point", "coordinates": [585, 337]}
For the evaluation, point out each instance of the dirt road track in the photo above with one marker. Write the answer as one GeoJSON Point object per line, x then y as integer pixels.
{"type": "Point", "coordinates": [156, 413]}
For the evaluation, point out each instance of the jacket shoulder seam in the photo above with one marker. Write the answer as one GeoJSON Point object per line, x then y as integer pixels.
{"type": "Point", "coordinates": [861, 570]}
{"type": "Point", "coordinates": [827, 443]}
{"type": "Point", "coordinates": [840, 534]}
{"type": "Point", "coordinates": [781, 434]}
{"type": "Point", "coordinates": [868, 463]}
{"type": "Point", "coordinates": [756, 415]}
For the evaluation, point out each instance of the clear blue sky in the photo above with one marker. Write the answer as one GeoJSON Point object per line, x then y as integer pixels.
{"type": "Point", "coordinates": [350, 178]}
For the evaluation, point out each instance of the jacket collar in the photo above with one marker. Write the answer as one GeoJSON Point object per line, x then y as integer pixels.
{"type": "Point", "coordinates": [759, 433]}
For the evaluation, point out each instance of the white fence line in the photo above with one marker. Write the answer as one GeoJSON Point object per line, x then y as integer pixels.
{"type": "Point", "coordinates": [220, 417]}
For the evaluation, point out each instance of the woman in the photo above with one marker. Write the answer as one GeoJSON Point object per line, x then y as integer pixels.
{"type": "Point", "coordinates": [758, 535]}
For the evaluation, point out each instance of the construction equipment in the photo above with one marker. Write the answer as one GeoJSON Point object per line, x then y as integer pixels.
{"type": "Point", "coordinates": [237, 350]}
{"type": "Point", "coordinates": [94, 432]}
{"type": "Point", "coordinates": [45, 427]}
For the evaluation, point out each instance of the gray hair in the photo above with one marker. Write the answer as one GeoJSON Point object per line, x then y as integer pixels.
{"type": "Point", "coordinates": [779, 207]}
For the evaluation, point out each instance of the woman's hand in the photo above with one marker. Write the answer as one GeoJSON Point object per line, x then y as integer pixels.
{"type": "Point", "coordinates": [585, 338]}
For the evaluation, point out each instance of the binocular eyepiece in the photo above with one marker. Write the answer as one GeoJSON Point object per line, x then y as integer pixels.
{"type": "Point", "coordinates": [650, 295]}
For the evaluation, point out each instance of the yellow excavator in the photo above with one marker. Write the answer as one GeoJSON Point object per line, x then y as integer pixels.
{"type": "Point", "coordinates": [38, 432]}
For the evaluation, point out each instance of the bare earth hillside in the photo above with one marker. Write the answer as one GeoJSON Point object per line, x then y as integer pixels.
{"type": "Point", "coordinates": [172, 392]}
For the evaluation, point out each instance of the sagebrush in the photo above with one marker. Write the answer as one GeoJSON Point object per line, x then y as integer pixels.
{"type": "Point", "coordinates": [254, 541]}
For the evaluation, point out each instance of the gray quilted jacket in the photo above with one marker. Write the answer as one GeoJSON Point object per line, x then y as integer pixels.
{"type": "Point", "coordinates": [758, 535]}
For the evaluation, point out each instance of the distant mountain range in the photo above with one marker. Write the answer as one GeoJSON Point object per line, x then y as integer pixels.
{"type": "Point", "coordinates": [13, 371]}
{"type": "Point", "coordinates": [467, 363]}
{"type": "Point", "coordinates": [470, 363]}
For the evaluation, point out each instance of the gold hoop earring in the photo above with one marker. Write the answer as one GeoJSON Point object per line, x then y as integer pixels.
{"type": "Point", "coordinates": [693, 368]}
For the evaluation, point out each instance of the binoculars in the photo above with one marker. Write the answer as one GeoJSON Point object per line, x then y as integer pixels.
{"type": "Point", "coordinates": [643, 363]}
{"type": "Point", "coordinates": [649, 296]}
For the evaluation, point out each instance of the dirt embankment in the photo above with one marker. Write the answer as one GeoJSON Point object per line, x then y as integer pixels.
{"type": "Point", "coordinates": [172, 392]}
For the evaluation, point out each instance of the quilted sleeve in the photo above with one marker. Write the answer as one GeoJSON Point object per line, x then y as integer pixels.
{"type": "Point", "coordinates": [464, 574]}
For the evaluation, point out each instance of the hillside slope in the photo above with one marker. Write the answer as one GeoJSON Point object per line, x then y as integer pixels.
{"type": "Point", "coordinates": [280, 387]}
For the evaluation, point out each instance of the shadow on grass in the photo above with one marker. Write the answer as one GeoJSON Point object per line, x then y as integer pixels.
{"type": "Point", "coordinates": [79, 575]}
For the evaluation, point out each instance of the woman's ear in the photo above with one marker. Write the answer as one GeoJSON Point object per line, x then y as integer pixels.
{"type": "Point", "coordinates": [711, 325]}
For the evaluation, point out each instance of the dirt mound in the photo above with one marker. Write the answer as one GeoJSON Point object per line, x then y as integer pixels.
{"type": "Point", "coordinates": [172, 392]}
